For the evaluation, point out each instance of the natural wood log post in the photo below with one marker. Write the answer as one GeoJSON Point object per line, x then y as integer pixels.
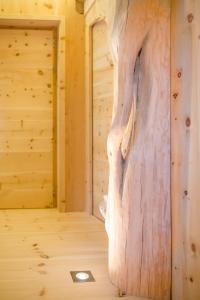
{"type": "Point", "coordinates": [138, 218]}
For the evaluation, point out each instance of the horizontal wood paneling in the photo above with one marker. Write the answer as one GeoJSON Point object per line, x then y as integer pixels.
{"type": "Point", "coordinates": [25, 161]}
{"type": "Point", "coordinates": [73, 40]}
{"type": "Point", "coordinates": [37, 7]}
{"type": "Point", "coordinates": [27, 118]}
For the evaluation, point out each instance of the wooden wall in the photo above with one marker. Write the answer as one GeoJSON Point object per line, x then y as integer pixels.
{"type": "Point", "coordinates": [75, 92]}
{"type": "Point", "coordinates": [27, 118]}
{"type": "Point", "coordinates": [185, 124]}
{"type": "Point", "coordinates": [75, 106]}
{"type": "Point", "coordinates": [32, 8]}
{"type": "Point", "coordinates": [98, 72]}
{"type": "Point", "coordinates": [102, 102]}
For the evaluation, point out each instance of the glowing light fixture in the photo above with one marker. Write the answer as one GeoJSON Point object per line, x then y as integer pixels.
{"type": "Point", "coordinates": [82, 276]}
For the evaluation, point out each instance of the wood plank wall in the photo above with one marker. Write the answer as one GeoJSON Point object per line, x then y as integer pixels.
{"type": "Point", "coordinates": [185, 107]}
{"type": "Point", "coordinates": [27, 118]}
{"type": "Point", "coordinates": [75, 106]}
{"type": "Point", "coordinates": [96, 13]}
{"type": "Point", "coordinates": [101, 111]}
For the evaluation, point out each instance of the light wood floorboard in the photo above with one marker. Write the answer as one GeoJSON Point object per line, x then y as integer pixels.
{"type": "Point", "coordinates": [39, 247]}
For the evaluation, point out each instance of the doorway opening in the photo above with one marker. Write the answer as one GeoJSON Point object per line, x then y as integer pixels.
{"type": "Point", "coordinates": [102, 103]}
{"type": "Point", "coordinates": [32, 108]}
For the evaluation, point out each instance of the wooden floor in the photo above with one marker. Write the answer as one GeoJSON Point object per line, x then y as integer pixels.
{"type": "Point", "coordinates": [40, 247]}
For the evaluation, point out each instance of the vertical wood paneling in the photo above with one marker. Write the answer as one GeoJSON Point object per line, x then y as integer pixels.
{"type": "Point", "coordinates": [75, 109]}
{"type": "Point", "coordinates": [102, 111]}
{"type": "Point", "coordinates": [26, 118]}
{"type": "Point", "coordinates": [185, 101]}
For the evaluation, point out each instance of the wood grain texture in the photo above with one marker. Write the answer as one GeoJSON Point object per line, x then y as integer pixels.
{"type": "Point", "coordinates": [71, 56]}
{"type": "Point", "coordinates": [101, 111]}
{"type": "Point", "coordinates": [38, 7]}
{"type": "Point", "coordinates": [185, 99]}
{"type": "Point", "coordinates": [40, 247]}
{"type": "Point", "coordinates": [75, 109]}
{"type": "Point", "coordinates": [27, 118]}
{"type": "Point", "coordinates": [138, 218]}
{"type": "Point", "coordinates": [138, 215]}
{"type": "Point", "coordinates": [96, 12]}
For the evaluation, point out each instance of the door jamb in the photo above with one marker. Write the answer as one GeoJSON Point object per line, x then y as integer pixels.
{"type": "Point", "coordinates": [92, 17]}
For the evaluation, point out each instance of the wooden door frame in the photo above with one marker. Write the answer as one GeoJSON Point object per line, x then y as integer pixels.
{"type": "Point", "coordinates": [58, 24]}
{"type": "Point", "coordinates": [92, 17]}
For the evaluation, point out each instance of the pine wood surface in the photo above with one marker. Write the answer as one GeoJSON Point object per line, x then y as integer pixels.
{"type": "Point", "coordinates": [71, 90]}
{"type": "Point", "coordinates": [27, 118]}
{"type": "Point", "coordinates": [185, 99]}
{"type": "Point", "coordinates": [40, 247]}
{"type": "Point", "coordinates": [102, 103]}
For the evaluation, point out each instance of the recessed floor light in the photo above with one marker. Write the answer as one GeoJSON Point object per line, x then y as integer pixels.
{"type": "Point", "coordinates": [82, 276]}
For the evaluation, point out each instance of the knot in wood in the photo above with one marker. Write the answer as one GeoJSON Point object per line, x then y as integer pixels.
{"type": "Point", "coordinates": [179, 74]}
{"type": "Point", "coordinates": [193, 247]}
{"type": "Point", "coordinates": [188, 122]}
{"type": "Point", "coordinates": [190, 18]}
{"type": "Point", "coordinates": [175, 95]}
{"type": "Point", "coordinates": [191, 279]}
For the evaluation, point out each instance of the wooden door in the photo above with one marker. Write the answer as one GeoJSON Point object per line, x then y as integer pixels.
{"type": "Point", "coordinates": [102, 112]}
{"type": "Point", "coordinates": [27, 108]}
